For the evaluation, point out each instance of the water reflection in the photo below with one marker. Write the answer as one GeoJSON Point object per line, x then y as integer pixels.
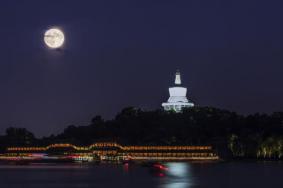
{"type": "Point", "coordinates": [126, 167]}
{"type": "Point", "coordinates": [178, 176]}
{"type": "Point", "coordinates": [172, 175]}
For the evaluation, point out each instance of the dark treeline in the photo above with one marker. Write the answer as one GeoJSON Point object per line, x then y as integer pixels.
{"type": "Point", "coordinates": [232, 135]}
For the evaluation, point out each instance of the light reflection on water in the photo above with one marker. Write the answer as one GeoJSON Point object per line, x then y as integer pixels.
{"type": "Point", "coordinates": [178, 176]}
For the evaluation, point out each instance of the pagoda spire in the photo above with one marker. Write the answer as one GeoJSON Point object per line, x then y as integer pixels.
{"type": "Point", "coordinates": [178, 96]}
{"type": "Point", "coordinates": [178, 78]}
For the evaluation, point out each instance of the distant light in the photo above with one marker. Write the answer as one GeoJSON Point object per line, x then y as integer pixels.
{"type": "Point", "coordinates": [54, 38]}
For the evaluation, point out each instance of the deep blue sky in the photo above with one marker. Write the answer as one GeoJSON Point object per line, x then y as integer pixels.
{"type": "Point", "coordinates": [125, 53]}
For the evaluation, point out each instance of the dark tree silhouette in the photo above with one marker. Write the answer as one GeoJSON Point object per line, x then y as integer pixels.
{"type": "Point", "coordinates": [232, 135]}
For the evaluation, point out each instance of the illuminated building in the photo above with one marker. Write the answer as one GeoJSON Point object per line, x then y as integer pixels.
{"type": "Point", "coordinates": [107, 151]}
{"type": "Point", "coordinates": [178, 98]}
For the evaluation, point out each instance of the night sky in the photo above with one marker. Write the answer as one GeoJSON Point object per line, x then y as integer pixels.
{"type": "Point", "coordinates": [125, 53]}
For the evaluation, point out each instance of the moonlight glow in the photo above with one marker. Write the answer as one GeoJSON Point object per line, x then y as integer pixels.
{"type": "Point", "coordinates": [54, 38]}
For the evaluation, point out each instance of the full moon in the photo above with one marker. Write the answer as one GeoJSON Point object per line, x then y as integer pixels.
{"type": "Point", "coordinates": [54, 38]}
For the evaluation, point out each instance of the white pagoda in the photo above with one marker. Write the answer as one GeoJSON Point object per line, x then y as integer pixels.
{"type": "Point", "coordinates": [178, 98]}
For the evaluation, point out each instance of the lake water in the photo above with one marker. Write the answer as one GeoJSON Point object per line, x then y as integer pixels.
{"type": "Point", "coordinates": [178, 175]}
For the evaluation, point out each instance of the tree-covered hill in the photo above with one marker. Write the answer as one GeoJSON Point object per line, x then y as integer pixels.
{"type": "Point", "coordinates": [232, 135]}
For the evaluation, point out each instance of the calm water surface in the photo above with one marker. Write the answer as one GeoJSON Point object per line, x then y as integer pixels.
{"type": "Point", "coordinates": [178, 175]}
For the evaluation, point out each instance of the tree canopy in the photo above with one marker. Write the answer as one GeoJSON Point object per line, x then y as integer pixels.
{"type": "Point", "coordinates": [231, 134]}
